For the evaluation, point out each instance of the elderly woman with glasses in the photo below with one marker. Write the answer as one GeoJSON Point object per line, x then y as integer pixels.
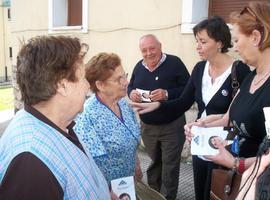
{"type": "Point", "coordinates": [108, 126]}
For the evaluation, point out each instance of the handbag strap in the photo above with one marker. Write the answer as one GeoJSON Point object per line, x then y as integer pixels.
{"type": "Point", "coordinates": [235, 83]}
{"type": "Point", "coordinates": [235, 86]}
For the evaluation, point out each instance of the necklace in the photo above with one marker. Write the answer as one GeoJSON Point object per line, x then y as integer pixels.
{"type": "Point", "coordinates": [261, 79]}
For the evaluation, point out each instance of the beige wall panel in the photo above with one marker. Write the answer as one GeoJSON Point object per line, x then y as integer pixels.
{"type": "Point", "coordinates": [125, 44]}
{"type": "Point", "coordinates": [140, 14]}
{"type": "Point", "coordinates": [29, 15]}
{"type": "Point", "coordinates": [114, 26]}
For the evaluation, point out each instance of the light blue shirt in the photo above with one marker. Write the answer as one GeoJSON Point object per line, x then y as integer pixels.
{"type": "Point", "coordinates": [75, 171]}
{"type": "Point", "coordinates": [111, 141]}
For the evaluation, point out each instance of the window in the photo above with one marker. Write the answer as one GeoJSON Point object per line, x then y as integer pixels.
{"type": "Point", "coordinates": [68, 14]}
{"type": "Point", "coordinates": [10, 52]}
{"type": "Point", "coordinates": [225, 7]}
{"type": "Point", "coordinates": [8, 14]}
{"type": "Point", "coordinates": [193, 11]}
{"type": "Point", "coordinates": [74, 12]}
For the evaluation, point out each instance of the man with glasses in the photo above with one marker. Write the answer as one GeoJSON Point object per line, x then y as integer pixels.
{"type": "Point", "coordinates": [164, 77]}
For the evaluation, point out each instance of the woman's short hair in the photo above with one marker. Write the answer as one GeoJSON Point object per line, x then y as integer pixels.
{"type": "Point", "coordinates": [100, 68]}
{"type": "Point", "coordinates": [255, 16]}
{"type": "Point", "coordinates": [42, 62]}
{"type": "Point", "coordinates": [217, 29]}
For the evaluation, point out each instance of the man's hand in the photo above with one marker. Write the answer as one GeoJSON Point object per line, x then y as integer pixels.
{"type": "Point", "coordinates": [135, 96]}
{"type": "Point", "coordinates": [158, 95]}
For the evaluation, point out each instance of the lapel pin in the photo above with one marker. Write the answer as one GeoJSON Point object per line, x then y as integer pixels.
{"type": "Point", "coordinates": [224, 93]}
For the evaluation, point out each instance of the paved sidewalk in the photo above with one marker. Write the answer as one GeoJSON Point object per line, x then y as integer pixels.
{"type": "Point", "coordinates": [185, 187]}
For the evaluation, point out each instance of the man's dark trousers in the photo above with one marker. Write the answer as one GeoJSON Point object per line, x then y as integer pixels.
{"type": "Point", "coordinates": [164, 144]}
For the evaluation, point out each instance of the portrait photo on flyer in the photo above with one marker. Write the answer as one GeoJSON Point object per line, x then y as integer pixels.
{"type": "Point", "coordinates": [124, 188]}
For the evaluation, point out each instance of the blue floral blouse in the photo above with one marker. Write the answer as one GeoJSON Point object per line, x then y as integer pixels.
{"type": "Point", "coordinates": [112, 141]}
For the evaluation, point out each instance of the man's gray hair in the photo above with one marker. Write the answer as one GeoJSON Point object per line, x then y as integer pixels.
{"type": "Point", "coordinates": [151, 36]}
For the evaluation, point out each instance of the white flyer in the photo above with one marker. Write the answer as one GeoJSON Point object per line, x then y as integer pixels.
{"type": "Point", "coordinates": [124, 188]}
{"type": "Point", "coordinates": [201, 143]}
{"type": "Point", "coordinates": [145, 94]}
{"type": "Point", "coordinates": [266, 111]}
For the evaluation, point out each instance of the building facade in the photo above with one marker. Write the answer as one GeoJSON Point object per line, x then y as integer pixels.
{"type": "Point", "coordinates": [116, 26]}
{"type": "Point", "coordinates": [5, 42]}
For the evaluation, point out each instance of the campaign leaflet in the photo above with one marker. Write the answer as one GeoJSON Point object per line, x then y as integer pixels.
{"type": "Point", "coordinates": [145, 94]}
{"type": "Point", "coordinates": [124, 188]}
{"type": "Point", "coordinates": [266, 111]}
{"type": "Point", "coordinates": [202, 142]}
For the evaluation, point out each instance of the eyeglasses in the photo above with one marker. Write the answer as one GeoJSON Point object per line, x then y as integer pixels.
{"type": "Point", "coordinates": [121, 79]}
{"type": "Point", "coordinates": [249, 11]}
{"type": "Point", "coordinates": [259, 25]}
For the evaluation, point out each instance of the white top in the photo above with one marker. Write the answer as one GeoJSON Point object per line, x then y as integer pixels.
{"type": "Point", "coordinates": [162, 59]}
{"type": "Point", "coordinates": [209, 89]}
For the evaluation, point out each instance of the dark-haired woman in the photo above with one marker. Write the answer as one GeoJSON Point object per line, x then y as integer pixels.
{"type": "Point", "coordinates": [251, 36]}
{"type": "Point", "coordinates": [209, 86]}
